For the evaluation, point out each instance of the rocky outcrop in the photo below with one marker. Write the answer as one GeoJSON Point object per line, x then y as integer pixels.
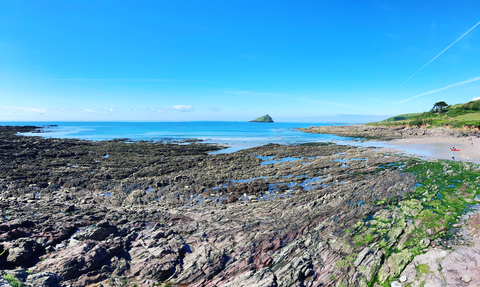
{"type": "Point", "coordinates": [263, 119]}
{"type": "Point", "coordinates": [388, 133]}
{"type": "Point", "coordinates": [174, 215]}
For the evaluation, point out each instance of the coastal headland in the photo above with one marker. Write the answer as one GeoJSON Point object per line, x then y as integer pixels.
{"type": "Point", "coordinates": [123, 213]}
{"type": "Point", "coordinates": [391, 133]}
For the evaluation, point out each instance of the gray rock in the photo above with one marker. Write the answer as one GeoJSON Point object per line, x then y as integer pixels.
{"type": "Point", "coordinates": [17, 255]}
{"type": "Point", "coordinates": [4, 282]}
{"type": "Point", "coordinates": [43, 279]}
{"type": "Point", "coordinates": [361, 255]}
{"type": "Point", "coordinates": [71, 208]}
{"type": "Point", "coordinates": [98, 233]}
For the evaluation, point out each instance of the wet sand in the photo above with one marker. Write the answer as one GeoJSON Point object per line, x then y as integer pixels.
{"type": "Point", "coordinates": [438, 148]}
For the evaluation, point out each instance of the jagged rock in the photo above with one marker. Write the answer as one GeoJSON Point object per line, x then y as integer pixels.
{"type": "Point", "coordinates": [165, 231]}
{"type": "Point", "coordinates": [99, 232]}
{"type": "Point", "coordinates": [157, 259]}
{"type": "Point", "coordinates": [387, 133]}
{"type": "Point", "coordinates": [43, 279]}
{"type": "Point", "coordinates": [394, 265]}
{"type": "Point", "coordinates": [4, 282]}
{"type": "Point", "coordinates": [75, 261]}
{"type": "Point", "coordinates": [361, 255]}
{"type": "Point", "coordinates": [71, 208]}
{"type": "Point", "coordinates": [24, 250]}
{"type": "Point", "coordinates": [371, 264]}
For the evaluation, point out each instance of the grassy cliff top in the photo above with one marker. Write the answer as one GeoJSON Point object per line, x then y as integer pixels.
{"type": "Point", "coordinates": [459, 115]}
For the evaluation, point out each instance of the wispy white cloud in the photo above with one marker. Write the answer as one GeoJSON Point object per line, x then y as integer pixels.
{"type": "Point", "coordinates": [183, 108]}
{"type": "Point", "coordinates": [108, 109]}
{"type": "Point", "coordinates": [441, 89]}
{"type": "Point", "coordinates": [213, 109]}
{"type": "Point", "coordinates": [441, 52]}
{"type": "Point", "coordinates": [27, 109]}
{"type": "Point", "coordinates": [89, 110]}
{"type": "Point", "coordinates": [476, 98]}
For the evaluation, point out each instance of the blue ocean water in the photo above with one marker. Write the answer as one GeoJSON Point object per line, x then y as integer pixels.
{"type": "Point", "coordinates": [237, 135]}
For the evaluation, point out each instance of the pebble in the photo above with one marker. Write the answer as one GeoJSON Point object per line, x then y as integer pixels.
{"type": "Point", "coordinates": [395, 284]}
{"type": "Point", "coordinates": [403, 279]}
{"type": "Point", "coordinates": [466, 278]}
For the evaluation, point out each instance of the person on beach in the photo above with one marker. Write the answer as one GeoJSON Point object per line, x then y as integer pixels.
{"type": "Point", "coordinates": [453, 156]}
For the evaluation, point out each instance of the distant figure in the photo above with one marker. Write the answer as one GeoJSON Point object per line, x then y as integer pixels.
{"type": "Point", "coordinates": [453, 156]}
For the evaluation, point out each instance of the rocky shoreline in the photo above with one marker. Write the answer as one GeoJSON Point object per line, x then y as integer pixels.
{"type": "Point", "coordinates": [121, 213]}
{"type": "Point", "coordinates": [390, 133]}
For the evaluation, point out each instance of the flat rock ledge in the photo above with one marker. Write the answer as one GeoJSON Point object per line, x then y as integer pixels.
{"type": "Point", "coordinates": [389, 133]}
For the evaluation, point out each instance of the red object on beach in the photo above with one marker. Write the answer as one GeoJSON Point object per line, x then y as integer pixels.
{"type": "Point", "coordinates": [454, 149]}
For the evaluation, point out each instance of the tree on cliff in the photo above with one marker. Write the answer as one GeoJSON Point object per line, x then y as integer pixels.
{"type": "Point", "coordinates": [439, 106]}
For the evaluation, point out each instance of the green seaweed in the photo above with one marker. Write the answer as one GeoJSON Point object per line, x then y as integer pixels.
{"type": "Point", "coordinates": [444, 191]}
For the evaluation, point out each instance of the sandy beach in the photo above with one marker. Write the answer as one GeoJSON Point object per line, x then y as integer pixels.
{"type": "Point", "coordinates": [439, 148]}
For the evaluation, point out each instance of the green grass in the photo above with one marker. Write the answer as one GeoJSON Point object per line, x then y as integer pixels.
{"type": "Point", "coordinates": [405, 116]}
{"type": "Point", "coordinates": [457, 116]}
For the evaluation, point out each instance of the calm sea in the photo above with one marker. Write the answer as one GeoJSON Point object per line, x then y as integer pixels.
{"type": "Point", "coordinates": [238, 135]}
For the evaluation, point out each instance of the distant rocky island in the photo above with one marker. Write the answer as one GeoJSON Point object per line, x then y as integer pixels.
{"type": "Point", "coordinates": [264, 119]}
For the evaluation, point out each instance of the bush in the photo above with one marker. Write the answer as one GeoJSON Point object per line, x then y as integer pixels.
{"type": "Point", "coordinates": [416, 122]}
{"type": "Point", "coordinates": [473, 106]}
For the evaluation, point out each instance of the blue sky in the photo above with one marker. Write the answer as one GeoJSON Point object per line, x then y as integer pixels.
{"type": "Point", "coordinates": [234, 60]}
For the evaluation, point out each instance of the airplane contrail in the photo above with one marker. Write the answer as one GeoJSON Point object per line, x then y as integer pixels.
{"type": "Point", "coordinates": [441, 89]}
{"type": "Point", "coordinates": [441, 52]}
